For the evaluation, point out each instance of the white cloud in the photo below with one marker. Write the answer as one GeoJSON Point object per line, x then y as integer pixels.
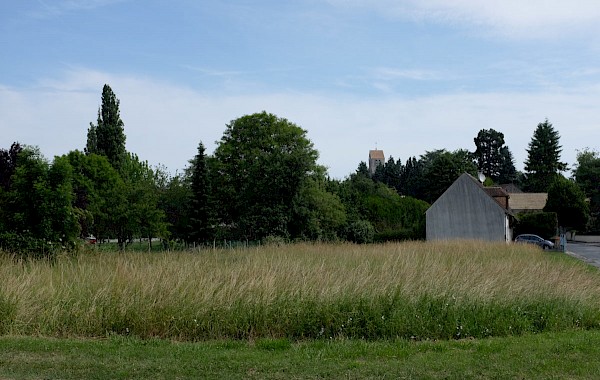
{"type": "Point", "coordinates": [512, 18]}
{"type": "Point", "coordinates": [164, 123]}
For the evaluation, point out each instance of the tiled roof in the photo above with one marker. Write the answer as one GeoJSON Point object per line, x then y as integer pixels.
{"type": "Point", "coordinates": [528, 201]}
{"type": "Point", "coordinates": [376, 155]}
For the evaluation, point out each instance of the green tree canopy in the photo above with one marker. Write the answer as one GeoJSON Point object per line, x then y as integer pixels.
{"type": "Point", "coordinates": [8, 164]}
{"type": "Point", "coordinates": [411, 178]}
{"type": "Point", "coordinates": [36, 209]}
{"type": "Point", "coordinates": [567, 200]}
{"type": "Point", "coordinates": [98, 194]}
{"type": "Point", "coordinates": [392, 217]}
{"type": "Point", "coordinates": [261, 163]}
{"type": "Point", "coordinates": [487, 153]}
{"type": "Point", "coordinates": [587, 176]}
{"type": "Point", "coordinates": [508, 172]}
{"type": "Point", "coordinates": [317, 213]}
{"type": "Point", "coordinates": [493, 158]}
{"type": "Point", "coordinates": [543, 158]}
{"type": "Point", "coordinates": [441, 168]}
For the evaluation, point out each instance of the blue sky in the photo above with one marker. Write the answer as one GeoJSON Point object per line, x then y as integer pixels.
{"type": "Point", "coordinates": [406, 76]}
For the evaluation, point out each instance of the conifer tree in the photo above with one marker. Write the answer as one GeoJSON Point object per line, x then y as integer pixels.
{"type": "Point", "coordinates": [543, 158]}
{"type": "Point", "coordinates": [508, 172]}
{"type": "Point", "coordinates": [201, 212]}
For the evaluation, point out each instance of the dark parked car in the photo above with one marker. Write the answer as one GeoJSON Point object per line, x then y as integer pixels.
{"type": "Point", "coordinates": [534, 239]}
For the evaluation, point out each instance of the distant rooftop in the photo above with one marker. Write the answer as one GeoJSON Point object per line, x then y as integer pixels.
{"type": "Point", "coordinates": [528, 201]}
{"type": "Point", "coordinates": [376, 155]}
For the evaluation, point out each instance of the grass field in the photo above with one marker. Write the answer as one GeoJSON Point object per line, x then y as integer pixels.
{"type": "Point", "coordinates": [413, 291]}
{"type": "Point", "coordinates": [566, 355]}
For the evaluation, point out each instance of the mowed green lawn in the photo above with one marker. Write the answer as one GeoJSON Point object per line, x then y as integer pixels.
{"type": "Point", "coordinates": [567, 355]}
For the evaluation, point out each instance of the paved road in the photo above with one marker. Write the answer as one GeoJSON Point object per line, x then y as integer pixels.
{"type": "Point", "coordinates": [588, 252]}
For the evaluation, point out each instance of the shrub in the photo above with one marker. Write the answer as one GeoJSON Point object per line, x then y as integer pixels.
{"type": "Point", "coordinates": [544, 224]}
{"type": "Point", "coordinates": [361, 232]}
{"type": "Point", "coordinates": [25, 245]}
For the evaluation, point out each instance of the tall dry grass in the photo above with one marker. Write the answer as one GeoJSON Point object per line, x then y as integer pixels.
{"type": "Point", "coordinates": [411, 290]}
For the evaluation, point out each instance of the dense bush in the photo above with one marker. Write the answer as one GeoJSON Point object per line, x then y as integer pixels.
{"type": "Point", "coordinates": [360, 231]}
{"type": "Point", "coordinates": [544, 224]}
{"type": "Point", "coordinates": [27, 245]}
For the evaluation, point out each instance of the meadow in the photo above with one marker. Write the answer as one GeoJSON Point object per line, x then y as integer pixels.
{"type": "Point", "coordinates": [414, 291]}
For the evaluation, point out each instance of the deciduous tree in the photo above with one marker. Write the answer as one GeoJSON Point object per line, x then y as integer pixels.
{"type": "Point", "coordinates": [261, 163]}
{"type": "Point", "coordinates": [8, 164]}
{"type": "Point", "coordinates": [441, 168]}
{"type": "Point", "coordinates": [487, 154]}
{"type": "Point", "coordinates": [587, 176]}
{"type": "Point", "coordinates": [37, 207]}
{"type": "Point", "coordinates": [567, 200]}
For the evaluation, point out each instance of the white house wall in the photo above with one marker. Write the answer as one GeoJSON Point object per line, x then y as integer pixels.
{"type": "Point", "coordinates": [465, 211]}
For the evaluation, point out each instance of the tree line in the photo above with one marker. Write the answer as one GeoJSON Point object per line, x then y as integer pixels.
{"type": "Point", "coordinates": [261, 183]}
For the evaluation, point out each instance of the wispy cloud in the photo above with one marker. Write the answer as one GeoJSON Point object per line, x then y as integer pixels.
{"type": "Point", "coordinates": [510, 18]}
{"type": "Point", "coordinates": [165, 122]}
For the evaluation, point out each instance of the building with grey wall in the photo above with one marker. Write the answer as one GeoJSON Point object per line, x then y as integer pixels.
{"type": "Point", "coordinates": [376, 158]}
{"type": "Point", "coordinates": [468, 210]}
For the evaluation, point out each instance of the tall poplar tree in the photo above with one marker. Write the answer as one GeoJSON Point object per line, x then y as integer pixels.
{"type": "Point", "coordinates": [543, 158]}
{"type": "Point", "coordinates": [107, 137]}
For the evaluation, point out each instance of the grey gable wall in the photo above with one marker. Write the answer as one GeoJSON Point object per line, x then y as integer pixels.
{"type": "Point", "coordinates": [465, 211]}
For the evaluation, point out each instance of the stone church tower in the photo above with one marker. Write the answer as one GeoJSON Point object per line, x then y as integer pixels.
{"type": "Point", "coordinates": [376, 158]}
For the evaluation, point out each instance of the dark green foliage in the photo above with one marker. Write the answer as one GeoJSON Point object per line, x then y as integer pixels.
{"type": "Point", "coordinates": [487, 155]}
{"type": "Point", "coordinates": [508, 172]}
{"type": "Point", "coordinates": [567, 200]}
{"type": "Point", "coordinates": [138, 215]}
{"type": "Point", "coordinates": [201, 215]}
{"type": "Point", "coordinates": [107, 137]}
{"type": "Point", "coordinates": [543, 158]}
{"type": "Point", "coordinates": [8, 164]}
{"type": "Point", "coordinates": [544, 224]}
{"type": "Point", "coordinates": [363, 169]}
{"type": "Point", "coordinates": [389, 173]}
{"type": "Point", "coordinates": [493, 158]}
{"type": "Point", "coordinates": [317, 213]}
{"type": "Point", "coordinates": [587, 176]}
{"type": "Point", "coordinates": [174, 201]}
{"type": "Point", "coordinates": [98, 194]}
{"type": "Point", "coordinates": [261, 163]}
{"type": "Point", "coordinates": [411, 178]}
{"type": "Point", "coordinates": [360, 232]}
{"type": "Point", "coordinates": [36, 209]}
{"type": "Point", "coordinates": [441, 168]}
{"type": "Point", "coordinates": [392, 216]}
